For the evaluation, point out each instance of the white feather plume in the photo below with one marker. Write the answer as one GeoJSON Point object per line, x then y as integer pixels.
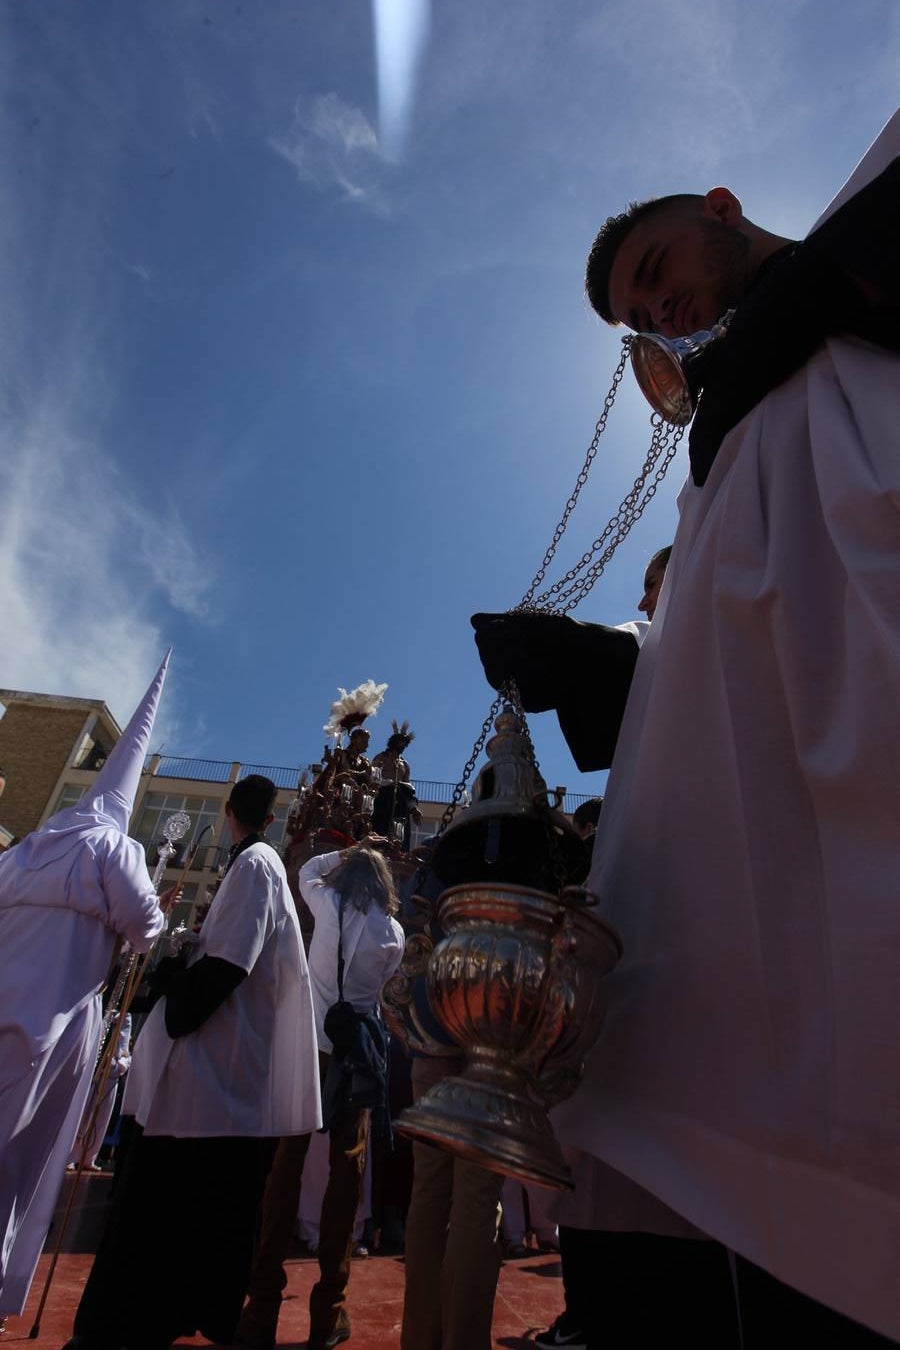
{"type": "Point", "coordinates": [356, 706]}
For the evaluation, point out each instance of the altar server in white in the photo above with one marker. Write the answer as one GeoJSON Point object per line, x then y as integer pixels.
{"type": "Point", "coordinates": [225, 1065]}
{"type": "Point", "coordinates": [748, 850]}
{"type": "Point", "coordinates": [67, 892]}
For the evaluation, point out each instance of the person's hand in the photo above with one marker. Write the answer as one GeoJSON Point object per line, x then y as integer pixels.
{"type": "Point", "coordinates": [377, 841]}
{"type": "Point", "coordinates": [169, 898]}
{"type": "Point", "coordinates": [532, 649]}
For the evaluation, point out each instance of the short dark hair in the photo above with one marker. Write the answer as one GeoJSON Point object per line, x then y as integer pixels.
{"type": "Point", "coordinates": [252, 800]}
{"type": "Point", "coordinates": [610, 237]}
{"type": "Point", "coordinates": [588, 813]}
{"type": "Point", "coordinates": [660, 558]}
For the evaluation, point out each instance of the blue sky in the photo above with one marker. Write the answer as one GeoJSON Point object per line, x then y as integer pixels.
{"type": "Point", "coordinates": [296, 382]}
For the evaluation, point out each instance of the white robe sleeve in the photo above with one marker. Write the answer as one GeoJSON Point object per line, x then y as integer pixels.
{"type": "Point", "coordinates": [311, 878]}
{"type": "Point", "coordinates": [134, 911]}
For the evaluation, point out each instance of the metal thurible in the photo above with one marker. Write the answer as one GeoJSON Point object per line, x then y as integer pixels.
{"type": "Point", "coordinates": [514, 981]}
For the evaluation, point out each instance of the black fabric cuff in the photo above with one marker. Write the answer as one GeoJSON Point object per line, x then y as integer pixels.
{"type": "Point", "coordinates": [193, 995]}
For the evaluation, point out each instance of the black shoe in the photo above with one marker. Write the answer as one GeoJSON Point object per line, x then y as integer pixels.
{"type": "Point", "coordinates": [339, 1332]}
{"type": "Point", "coordinates": [564, 1333]}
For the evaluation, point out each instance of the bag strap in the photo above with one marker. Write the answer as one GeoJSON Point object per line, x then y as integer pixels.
{"type": "Point", "coordinates": [340, 969]}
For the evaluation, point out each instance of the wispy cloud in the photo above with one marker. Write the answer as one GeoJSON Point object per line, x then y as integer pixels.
{"type": "Point", "coordinates": [333, 146]}
{"type": "Point", "coordinates": [90, 571]}
{"type": "Point", "coordinates": [96, 572]}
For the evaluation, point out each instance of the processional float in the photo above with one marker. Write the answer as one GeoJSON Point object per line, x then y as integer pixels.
{"type": "Point", "coordinates": [515, 969]}
{"type": "Point", "coordinates": [347, 796]}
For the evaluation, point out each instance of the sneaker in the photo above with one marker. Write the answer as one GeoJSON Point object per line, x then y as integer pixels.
{"type": "Point", "coordinates": [360, 1250]}
{"type": "Point", "coordinates": [565, 1331]}
{"type": "Point", "coordinates": [328, 1340]}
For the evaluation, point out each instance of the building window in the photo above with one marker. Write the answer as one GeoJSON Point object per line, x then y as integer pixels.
{"type": "Point", "coordinates": [70, 795]}
{"type": "Point", "coordinates": [156, 809]}
{"type": "Point", "coordinates": [425, 829]}
{"type": "Point", "coordinates": [275, 832]}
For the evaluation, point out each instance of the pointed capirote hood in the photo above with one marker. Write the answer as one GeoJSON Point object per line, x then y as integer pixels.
{"type": "Point", "coordinates": [109, 801]}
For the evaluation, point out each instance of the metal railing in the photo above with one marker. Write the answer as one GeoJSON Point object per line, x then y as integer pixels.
{"type": "Point", "coordinates": [201, 770]}
{"type": "Point", "coordinates": [280, 776]}
{"type": "Point", "coordinates": [287, 776]}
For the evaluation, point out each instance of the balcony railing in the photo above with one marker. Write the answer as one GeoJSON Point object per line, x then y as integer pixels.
{"type": "Point", "coordinates": [280, 776]}
{"type": "Point", "coordinates": [201, 770]}
{"type": "Point", "coordinates": [287, 776]}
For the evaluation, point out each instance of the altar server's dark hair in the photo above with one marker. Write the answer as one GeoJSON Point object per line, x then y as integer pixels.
{"type": "Point", "coordinates": [610, 237]}
{"type": "Point", "coordinates": [252, 800]}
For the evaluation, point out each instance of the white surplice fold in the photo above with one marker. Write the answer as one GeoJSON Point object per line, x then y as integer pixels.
{"type": "Point", "coordinates": [749, 847]}
{"type": "Point", "coordinates": [251, 1069]}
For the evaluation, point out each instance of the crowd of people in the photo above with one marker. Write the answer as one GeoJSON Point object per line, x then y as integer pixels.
{"type": "Point", "coordinates": [735, 1140]}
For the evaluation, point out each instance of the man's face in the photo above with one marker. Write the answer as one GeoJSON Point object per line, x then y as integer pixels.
{"type": "Point", "coordinates": [359, 742]}
{"type": "Point", "coordinates": [679, 269]}
{"type": "Point", "coordinates": [653, 580]}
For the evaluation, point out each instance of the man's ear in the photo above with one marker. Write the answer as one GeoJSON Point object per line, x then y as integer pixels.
{"type": "Point", "coordinates": [722, 205]}
{"type": "Point", "coordinates": [269, 818]}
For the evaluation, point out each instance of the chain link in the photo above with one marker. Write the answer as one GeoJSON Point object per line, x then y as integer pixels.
{"type": "Point", "coordinates": [577, 583]}
{"type": "Point", "coordinates": [571, 589]}
{"type": "Point", "coordinates": [580, 580]}
{"type": "Point", "coordinates": [527, 598]}
{"type": "Point", "coordinates": [459, 790]}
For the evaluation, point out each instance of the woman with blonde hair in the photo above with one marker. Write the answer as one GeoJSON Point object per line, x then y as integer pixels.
{"type": "Point", "coordinates": [352, 898]}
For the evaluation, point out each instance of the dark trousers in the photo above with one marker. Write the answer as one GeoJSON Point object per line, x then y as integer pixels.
{"type": "Point", "coordinates": [774, 1314]}
{"type": "Point", "coordinates": [651, 1290]}
{"type": "Point", "coordinates": [661, 1289]}
{"type": "Point", "coordinates": [175, 1256]}
{"type": "Point", "coordinates": [278, 1217]}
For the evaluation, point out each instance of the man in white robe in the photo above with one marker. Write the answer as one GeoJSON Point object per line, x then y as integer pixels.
{"type": "Point", "coordinates": [67, 893]}
{"type": "Point", "coordinates": [748, 849]}
{"type": "Point", "coordinates": [225, 1065]}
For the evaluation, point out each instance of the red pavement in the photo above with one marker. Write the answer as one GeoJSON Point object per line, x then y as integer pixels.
{"type": "Point", "coordinates": [529, 1296]}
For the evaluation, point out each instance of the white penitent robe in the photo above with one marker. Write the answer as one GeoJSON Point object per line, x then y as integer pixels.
{"type": "Point", "coordinates": [251, 1069]}
{"type": "Point", "coordinates": [749, 848]}
{"type": "Point", "coordinates": [58, 928]}
{"type": "Point", "coordinates": [100, 1105]}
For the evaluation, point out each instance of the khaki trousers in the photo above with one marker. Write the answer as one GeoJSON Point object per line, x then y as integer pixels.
{"type": "Point", "coordinates": [452, 1242]}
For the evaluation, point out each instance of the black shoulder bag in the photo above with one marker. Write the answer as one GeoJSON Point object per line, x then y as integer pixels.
{"type": "Point", "coordinates": [358, 1067]}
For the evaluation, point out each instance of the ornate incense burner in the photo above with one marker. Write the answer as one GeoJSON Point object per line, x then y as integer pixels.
{"type": "Point", "coordinates": [515, 981]}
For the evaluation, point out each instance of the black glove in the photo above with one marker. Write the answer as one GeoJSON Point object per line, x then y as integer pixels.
{"type": "Point", "coordinates": [538, 651]}
{"type": "Point", "coordinates": [583, 670]}
{"type": "Point", "coordinates": [844, 278]}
